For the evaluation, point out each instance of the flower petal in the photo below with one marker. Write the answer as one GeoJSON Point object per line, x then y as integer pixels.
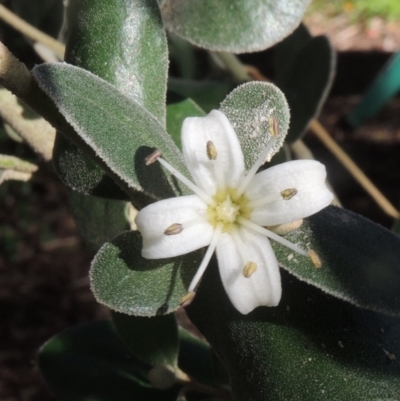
{"type": "Point", "coordinates": [306, 176]}
{"type": "Point", "coordinates": [263, 287]}
{"type": "Point", "coordinates": [154, 219]}
{"type": "Point", "coordinates": [215, 127]}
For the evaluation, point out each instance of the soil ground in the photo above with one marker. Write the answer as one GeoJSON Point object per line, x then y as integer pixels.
{"type": "Point", "coordinates": [44, 262]}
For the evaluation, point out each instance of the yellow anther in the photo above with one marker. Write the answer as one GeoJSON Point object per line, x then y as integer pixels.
{"type": "Point", "coordinates": [273, 127]}
{"type": "Point", "coordinates": [249, 269]}
{"type": "Point", "coordinates": [152, 157]}
{"type": "Point", "coordinates": [211, 150]}
{"type": "Point", "coordinates": [174, 229]}
{"type": "Point", "coordinates": [289, 193]}
{"type": "Point", "coordinates": [316, 261]}
{"type": "Point", "coordinates": [187, 299]}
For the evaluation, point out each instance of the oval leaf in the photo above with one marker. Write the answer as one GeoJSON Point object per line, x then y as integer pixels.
{"type": "Point", "coordinates": [127, 283]}
{"type": "Point", "coordinates": [120, 131]}
{"type": "Point", "coordinates": [306, 83]}
{"type": "Point", "coordinates": [360, 259]}
{"type": "Point", "coordinates": [234, 26]}
{"type": "Point", "coordinates": [250, 108]}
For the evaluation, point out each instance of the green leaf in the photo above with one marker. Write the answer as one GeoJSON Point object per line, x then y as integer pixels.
{"type": "Point", "coordinates": [89, 362]}
{"type": "Point", "coordinates": [176, 113]}
{"type": "Point", "coordinates": [360, 259]}
{"type": "Point", "coordinates": [306, 83]}
{"type": "Point", "coordinates": [128, 283]}
{"type": "Point", "coordinates": [286, 51]}
{"type": "Point", "coordinates": [153, 340]}
{"type": "Point", "coordinates": [123, 42]}
{"type": "Point", "coordinates": [99, 220]}
{"type": "Point", "coordinates": [233, 25]}
{"type": "Point", "coordinates": [120, 131]}
{"type": "Point", "coordinates": [249, 108]}
{"type": "Point", "coordinates": [311, 347]}
{"type": "Point", "coordinates": [208, 94]}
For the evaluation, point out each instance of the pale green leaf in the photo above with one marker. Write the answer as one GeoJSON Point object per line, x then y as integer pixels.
{"type": "Point", "coordinates": [233, 25]}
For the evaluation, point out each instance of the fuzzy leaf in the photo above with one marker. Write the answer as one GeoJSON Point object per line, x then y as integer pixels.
{"type": "Point", "coordinates": [123, 42]}
{"type": "Point", "coordinates": [360, 259]}
{"type": "Point", "coordinates": [127, 283]}
{"type": "Point", "coordinates": [310, 347]}
{"type": "Point", "coordinates": [90, 362]}
{"type": "Point", "coordinates": [249, 108]}
{"type": "Point", "coordinates": [99, 220]}
{"type": "Point", "coordinates": [233, 25]}
{"type": "Point", "coordinates": [152, 340]}
{"type": "Point", "coordinates": [120, 131]}
{"type": "Point", "coordinates": [306, 83]}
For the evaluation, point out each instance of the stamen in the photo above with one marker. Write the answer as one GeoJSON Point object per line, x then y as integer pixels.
{"type": "Point", "coordinates": [273, 126]}
{"type": "Point", "coordinates": [253, 171]}
{"type": "Point", "coordinates": [240, 245]}
{"type": "Point", "coordinates": [249, 269]}
{"type": "Point", "coordinates": [187, 182]}
{"type": "Point", "coordinates": [174, 229]}
{"type": "Point", "coordinates": [152, 157]}
{"type": "Point", "coordinates": [187, 299]}
{"type": "Point", "coordinates": [270, 234]}
{"type": "Point", "coordinates": [316, 261]}
{"type": "Point", "coordinates": [264, 200]}
{"type": "Point", "coordinates": [206, 259]}
{"type": "Point", "coordinates": [288, 194]}
{"type": "Point", "coordinates": [211, 150]}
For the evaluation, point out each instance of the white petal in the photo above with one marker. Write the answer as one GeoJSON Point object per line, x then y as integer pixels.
{"type": "Point", "coordinates": [154, 219]}
{"type": "Point", "coordinates": [263, 287]}
{"type": "Point", "coordinates": [306, 176]}
{"type": "Point", "coordinates": [215, 127]}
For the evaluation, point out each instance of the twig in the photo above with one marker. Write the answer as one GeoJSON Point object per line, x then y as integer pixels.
{"type": "Point", "coordinates": [30, 31]}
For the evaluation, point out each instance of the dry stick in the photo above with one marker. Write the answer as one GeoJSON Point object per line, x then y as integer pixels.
{"type": "Point", "coordinates": [353, 169]}
{"type": "Point", "coordinates": [321, 133]}
{"type": "Point", "coordinates": [31, 32]}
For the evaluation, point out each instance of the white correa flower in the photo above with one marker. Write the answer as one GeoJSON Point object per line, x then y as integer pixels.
{"type": "Point", "coordinates": [230, 210]}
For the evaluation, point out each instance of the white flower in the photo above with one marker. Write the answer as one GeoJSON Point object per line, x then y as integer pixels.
{"type": "Point", "coordinates": [230, 209]}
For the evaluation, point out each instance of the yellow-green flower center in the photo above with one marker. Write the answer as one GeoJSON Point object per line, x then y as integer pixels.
{"type": "Point", "coordinates": [227, 209]}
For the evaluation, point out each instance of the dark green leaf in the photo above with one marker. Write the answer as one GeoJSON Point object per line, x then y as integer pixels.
{"type": "Point", "coordinates": [310, 347]}
{"type": "Point", "coordinates": [128, 283]}
{"type": "Point", "coordinates": [249, 108]}
{"type": "Point", "coordinates": [124, 43]}
{"type": "Point", "coordinates": [233, 25]}
{"type": "Point", "coordinates": [120, 131]}
{"type": "Point", "coordinates": [153, 340]}
{"type": "Point", "coordinates": [208, 94]}
{"type": "Point", "coordinates": [306, 83]}
{"type": "Point", "coordinates": [360, 259]}
{"type": "Point", "coordinates": [286, 51]}
{"type": "Point", "coordinates": [90, 363]}
{"type": "Point", "coordinates": [176, 113]}
{"type": "Point", "coordinates": [99, 220]}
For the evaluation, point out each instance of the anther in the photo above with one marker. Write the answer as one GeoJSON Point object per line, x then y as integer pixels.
{"type": "Point", "coordinates": [152, 157]}
{"type": "Point", "coordinates": [187, 299]}
{"type": "Point", "coordinates": [211, 150]}
{"type": "Point", "coordinates": [316, 261]}
{"type": "Point", "coordinates": [288, 193]}
{"type": "Point", "coordinates": [249, 269]}
{"type": "Point", "coordinates": [273, 127]}
{"type": "Point", "coordinates": [174, 229]}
